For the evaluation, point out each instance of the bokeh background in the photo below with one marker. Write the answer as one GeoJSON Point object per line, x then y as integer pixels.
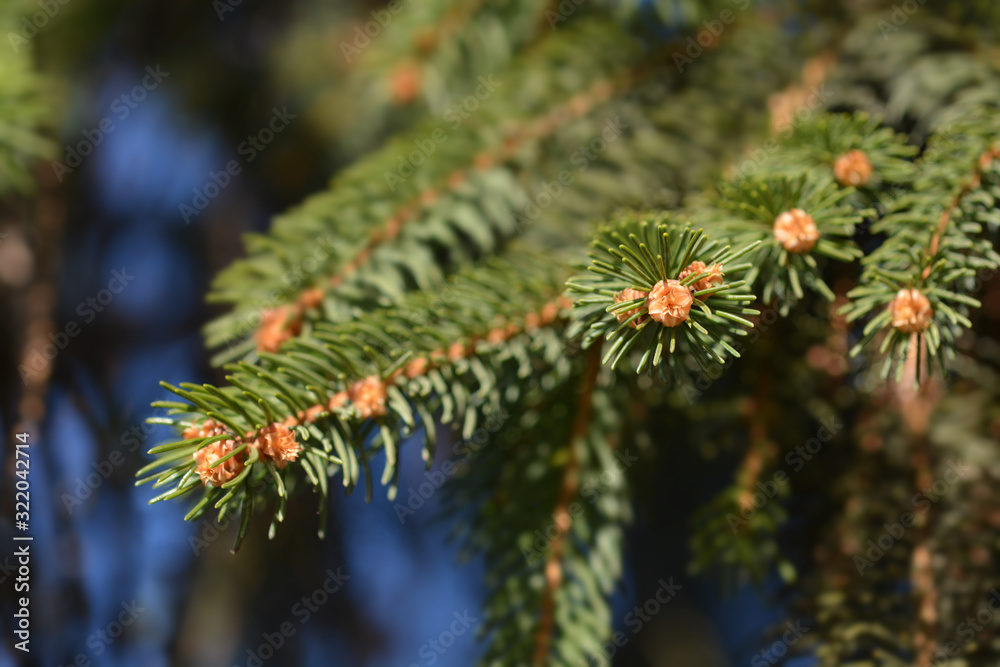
{"type": "Point", "coordinates": [98, 545]}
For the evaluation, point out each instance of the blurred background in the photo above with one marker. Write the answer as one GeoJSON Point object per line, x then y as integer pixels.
{"type": "Point", "coordinates": [153, 100]}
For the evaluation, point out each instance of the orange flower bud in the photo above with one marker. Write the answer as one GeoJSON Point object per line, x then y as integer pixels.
{"type": "Point", "coordinates": [484, 160]}
{"type": "Point", "coordinates": [405, 82]}
{"type": "Point", "coordinates": [313, 413]}
{"type": "Point", "coordinates": [549, 313]}
{"type": "Point", "coordinates": [276, 327]}
{"type": "Point", "coordinates": [220, 474]}
{"type": "Point", "coordinates": [417, 367]}
{"type": "Point", "coordinates": [204, 430]}
{"type": "Point", "coordinates": [311, 298]}
{"type": "Point", "coordinates": [457, 350]}
{"type": "Point", "coordinates": [496, 335]}
{"type": "Point", "coordinates": [337, 400]}
{"type": "Point", "coordinates": [796, 231]}
{"type": "Point", "coordinates": [911, 311]}
{"type": "Point", "coordinates": [369, 397]}
{"type": "Point", "coordinates": [711, 280]}
{"type": "Point", "coordinates": [629, 294]}
{"type": "Point", "coordinates": [277, 443]}
{"type": "Point", "coordinates": [426, 40]}
{"type": "Point", "coordinates": [853, 168]}
{"type": "Point", "coordinates": [669, 302]}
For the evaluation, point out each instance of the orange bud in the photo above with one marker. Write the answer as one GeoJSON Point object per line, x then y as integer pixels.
{"type": "Point", "coordinates": [796, 231]}
{"type": "Point", "coordinates": [669, 302]}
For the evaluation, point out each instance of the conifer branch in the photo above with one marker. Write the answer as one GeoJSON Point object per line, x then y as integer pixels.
{"type": "Point", "coordinates": [389, 260]}
{"type": "Point", "coordinates": [488, 168]}
{"type": "Point", "coordinates": [492, 334]}
{"type": "Point", "coordinates": [470, 221]}
{"type": "Point", "coordinates": [921, 279]}
{"type": "Point", "coordinates": [373, 345]}
{"type": "Point", "coordinates": [662, 289]}
{"type": "Point", "coordinates": [569, 490]}
{"type": "Point", "coordinates": [544, 502]}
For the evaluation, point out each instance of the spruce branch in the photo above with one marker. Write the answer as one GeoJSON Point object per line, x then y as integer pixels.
{"type": "Point", "coordinates": [370, 345]}
{"type": "Point", "coordinates": [397, 63]}
{"type": "Point", "coordinates": [328, 401]}
{"type": "Point", "coordinates": [568, 490]}
{"type": "Point", "coordinates": [857, 150]}
{"type": "Point", "coordinates": [735, 534]}
{"type": "Point", "coordinates": [508, 142]}
{"type": "Point", "coordinates": [916, 288]}
{"type": "Point", "coordinates": [792, 219]}
{"type": "Point", "coordinates": [396, 222]}
{"type": "Point", "coordinates": [661, 292]}
{"type": "Point", "coordinates": [545, 504]}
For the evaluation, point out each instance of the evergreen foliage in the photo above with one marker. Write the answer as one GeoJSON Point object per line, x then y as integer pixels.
{"type": "Point", "coordinates": [24, 104]}
{"type": "Point", "coordinates": [429, 295]}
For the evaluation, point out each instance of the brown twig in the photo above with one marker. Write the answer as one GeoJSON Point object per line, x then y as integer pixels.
{"type": "Point", "coordinates": [40, 303]}
{"type": "Point", "coordinates": [548, 315]}
{"type": "Point", "coordinates": [760, 450]}
{"type": "Point", "coordinates": [563, 521]}
{"type": "Point", "coordinates": [982, 164]}
{"type": "Point", "coordinates": [916, 406]}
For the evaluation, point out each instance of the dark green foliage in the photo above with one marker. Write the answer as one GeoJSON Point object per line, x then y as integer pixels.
{"type": "Point", "coordinates": [940, 241]}
{"type": "Point", "coordinates": [24, 103]}
{"type": "Point", "coordinates": [549, 494]}
{"type": "Point", "coordinates": [463, 264]}
{"type": "Point", "coordinates": [756, 202]}
{"type": "Point", "coordinates": [308, 372]}
{"type": "Point", "coordinates": [818, 141]}
{"type": "Point", "coordinates": [638, 254]}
